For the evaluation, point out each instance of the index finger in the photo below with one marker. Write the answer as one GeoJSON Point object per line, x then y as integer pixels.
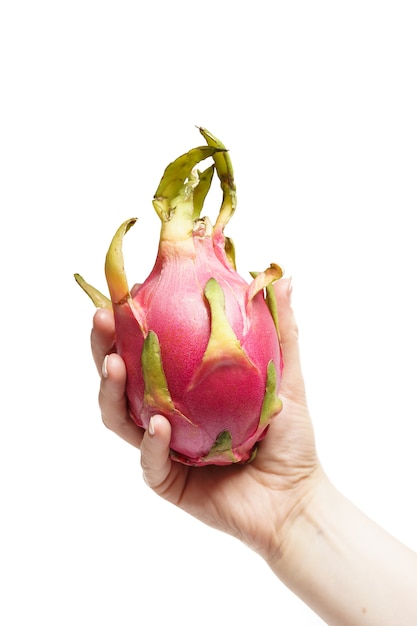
{"type": "Point", "coordinates": [102, 336]}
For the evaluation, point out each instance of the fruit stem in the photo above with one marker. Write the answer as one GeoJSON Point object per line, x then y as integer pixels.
{"type": "Point", "coordinates": [174, 198]}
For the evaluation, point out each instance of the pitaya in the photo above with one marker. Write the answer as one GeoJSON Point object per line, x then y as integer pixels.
{"type": "Point", "coordinates": [200, 344]}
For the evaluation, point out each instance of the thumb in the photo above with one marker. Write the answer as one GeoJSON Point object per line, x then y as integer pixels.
{"type": "Point", "coordinates": [166, 477]}
{"type": "Point", "coordinates": [155, 460]}
{"type": "Point", "coordinates": [292, 383]}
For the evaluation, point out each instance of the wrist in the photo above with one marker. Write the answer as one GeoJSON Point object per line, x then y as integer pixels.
{"type": "Point", "coordinates": [295, 506]}
{"type": "Point", "coordinates": [343, 565]}
{"type": "Point", "coordinates": [314, 551]}
{"type": "Point", "coordinates": [305, 514]}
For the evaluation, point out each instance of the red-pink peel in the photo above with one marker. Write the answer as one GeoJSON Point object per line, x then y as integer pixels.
{"type": "Point", "coordinates": [201, 345]}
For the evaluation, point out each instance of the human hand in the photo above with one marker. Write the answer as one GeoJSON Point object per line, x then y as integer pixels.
{"type": "Point", "coordinates": [256, 502]}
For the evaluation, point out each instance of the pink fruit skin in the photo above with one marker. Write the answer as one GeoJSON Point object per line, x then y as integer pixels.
{"type": "Point", "coordinates": [200, 344]}
{"type": "Point", "coordinates": [171, 303]}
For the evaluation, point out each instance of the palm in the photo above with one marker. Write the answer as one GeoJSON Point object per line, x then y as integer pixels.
{"type": "Point", "coordinates": [237, 498]}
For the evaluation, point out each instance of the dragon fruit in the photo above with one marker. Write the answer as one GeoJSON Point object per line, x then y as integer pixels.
{"type": "Point", "coordinates": [200, 344]}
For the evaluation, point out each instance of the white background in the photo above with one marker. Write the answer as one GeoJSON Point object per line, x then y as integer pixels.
{"type": "Point", "coordinates": [317, 103]}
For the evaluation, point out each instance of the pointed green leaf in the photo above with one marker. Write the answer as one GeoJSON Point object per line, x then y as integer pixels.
{"type": "Point", "coordinates": [99, 300]}
{"type": "Point", "coordinates": [201, 190]}
{"type": "Point", "coordinates": [271, 403]}
{"type": "Point", "coordinates": [263, 279]}
{"type": "Point", "coordinates": [230, 250]}
{"type": "Point", "coordinates": [224, 171]}
{"type": "Point", "coordinates": [156, 394]}
{"type": "Point", "coordinates": [222, 447]}
{"type": "Point", "coordinates": [223, 347]}
{"type": "Point", "coordinates": [271, 302]}
{"type": "Point", "coordinates": [114, 266]}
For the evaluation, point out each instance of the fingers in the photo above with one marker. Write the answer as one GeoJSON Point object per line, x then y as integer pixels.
{"type": "Point", "coordinates": [112, 398]}
{"type": "Point", "coordinates": [102, 336]}
{"type": "Point", "coordinates": [113, 403]}
{"type": "Point", "coordinates": [292, 381]}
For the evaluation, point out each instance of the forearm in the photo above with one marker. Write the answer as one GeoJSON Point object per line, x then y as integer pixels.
{"type": "Point", "coordinates": [348, 569]}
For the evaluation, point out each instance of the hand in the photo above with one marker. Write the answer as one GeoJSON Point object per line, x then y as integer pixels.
{"type": "Point", "coordinates": [254, 502]}
{"type": "Point", "coordinates": [282, 505]}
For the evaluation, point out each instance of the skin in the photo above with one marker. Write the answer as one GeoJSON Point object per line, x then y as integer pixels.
{"type": "Point", "coordinates": [338, 561]}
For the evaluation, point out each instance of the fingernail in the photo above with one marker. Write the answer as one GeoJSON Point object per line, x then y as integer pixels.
{"type": "Point", "coordinates": [151, 427]}
{"type": "Point", "coordinates": [104, 371]}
